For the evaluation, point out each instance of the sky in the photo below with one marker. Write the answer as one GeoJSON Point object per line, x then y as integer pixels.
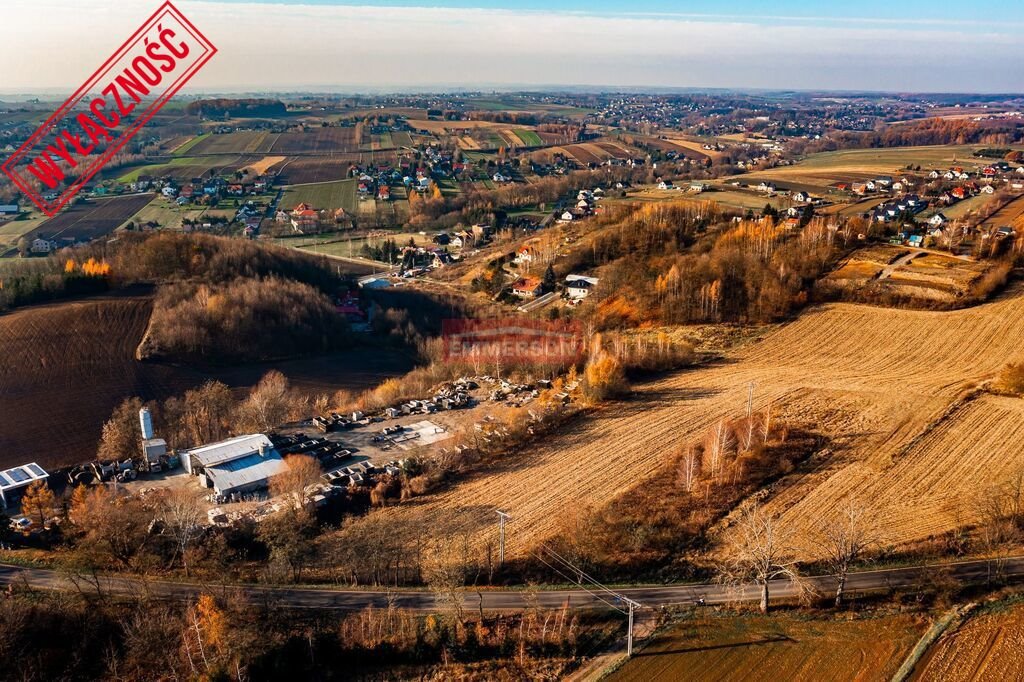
{"type": "Point", "coordinates": [404, 45]}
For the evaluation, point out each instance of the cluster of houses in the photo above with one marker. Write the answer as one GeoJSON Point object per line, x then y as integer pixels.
{"type": "Point", "coordinates": [907, 205]}
{"type": "Point", "coordinates": [204, 192]}
{"type": "Point", "coordinates": [586, 205]}
{"type": "Point", "coordinates": [305, 219]}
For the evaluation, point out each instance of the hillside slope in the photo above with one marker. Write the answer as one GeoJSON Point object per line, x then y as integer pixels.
{"type": "Point", "coordinates": [870, 378]}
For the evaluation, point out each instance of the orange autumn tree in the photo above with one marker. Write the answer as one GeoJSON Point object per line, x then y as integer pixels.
{"type": "Point", "coordinates": [91, 267]}
{"type": "Point", "coordinates": [95, 268]}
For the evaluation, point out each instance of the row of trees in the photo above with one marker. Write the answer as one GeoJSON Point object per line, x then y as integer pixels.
{"type": "Point", "coordinates": [93, 636]}
{"type": "Point", "coordinates": [204, 414]}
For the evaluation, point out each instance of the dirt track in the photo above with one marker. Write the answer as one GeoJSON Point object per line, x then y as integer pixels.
{"type": "Point", "coordinates": [870, 378]}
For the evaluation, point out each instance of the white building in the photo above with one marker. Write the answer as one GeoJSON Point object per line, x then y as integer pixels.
{"type": "Point", "coordinates": [13, 480]}
{"type": "Point", "coordinates": [237, 465]}
{"type": "Point", "coordinates": [579, 287]}
{"type": "Point", "coordinates": [40, 245]}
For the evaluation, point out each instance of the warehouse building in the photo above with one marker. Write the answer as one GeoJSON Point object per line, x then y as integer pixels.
{"type": "Point", "coordinates": [235, 466]}
{"type": "Point", "coordinates": [13, 481]}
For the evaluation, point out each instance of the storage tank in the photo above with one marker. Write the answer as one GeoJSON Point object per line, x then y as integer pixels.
{"type": "Point", "coordinates": [146, 422]}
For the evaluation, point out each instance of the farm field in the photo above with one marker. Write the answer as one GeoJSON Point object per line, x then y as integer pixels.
{"type": "Point", "coordinates": [263, 165]}
{"type": "Point", "coordinates": [166, 213]}
{"type": "Point", "coordinates": [781, 647]}
{"type": "Point", "coordinates": [827, 168]}
{"type": "Point", "coordinates": [186, 167]}
{"type": "Point", "coordinates": [12, 230]}
{"type": "Point", "coordinates": [871, 379]}
{"type": "Point", "coordinates": [319, 141]}
{"type": "Point", "coordinates": [988, 646]}
{"type": "Point", "coordinates": [91, 220]}
{"type": "Point", "coordinates": [961, 209]}
{"type": "Point", "coordinates": [695, 146]}
{"type": "Point", "coordinates": [299, 170]}
{"type": "Point", "coordinates": [324, 195]}
{"type": "Point", "coordinates": [67, 365]}
{"type": "Point", "coordinates": [529, 138]}
{"type": "Point", "coordinates": [241, 142]}
{"type": "Point", "coordinates": [1008, 214]}
{"type": "Point", "coordinates": [927, 275]}
{"type": "Point", "coordinates": [182, 149]}
{"type": "Point", "coordinates": [728, 197]}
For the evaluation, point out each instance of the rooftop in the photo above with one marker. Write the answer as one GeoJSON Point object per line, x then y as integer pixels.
{"type": "Point", "coordinates": [250, 470]}
{"type": "Point", "coordinates": [21, 476]}
{"type": "Point", "coordinates": [231, 449]}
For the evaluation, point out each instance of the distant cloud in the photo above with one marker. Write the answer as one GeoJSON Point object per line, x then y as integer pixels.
{"type": "Point", "coordinates": [57, 43]}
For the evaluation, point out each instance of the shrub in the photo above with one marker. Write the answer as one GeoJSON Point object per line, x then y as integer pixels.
{"type": "Point", "coordinates": [1011, 379]}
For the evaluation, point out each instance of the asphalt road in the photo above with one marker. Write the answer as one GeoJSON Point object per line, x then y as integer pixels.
{"type": "Point", "coordinates": [966, 572]}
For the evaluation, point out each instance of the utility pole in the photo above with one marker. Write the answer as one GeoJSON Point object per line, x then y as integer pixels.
{"type": "Point", "coordinates": [502, 517]}
{"type": "Point", "coordinates": [629, 636]}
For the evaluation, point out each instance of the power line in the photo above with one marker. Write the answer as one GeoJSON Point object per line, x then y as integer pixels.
{"type": "Point", "coordinates": [590, 592]}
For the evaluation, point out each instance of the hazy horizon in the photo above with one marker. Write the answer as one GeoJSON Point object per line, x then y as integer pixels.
{"type": "Point", "coordinates": [389, 47]}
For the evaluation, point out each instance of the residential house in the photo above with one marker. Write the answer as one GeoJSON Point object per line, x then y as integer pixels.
{"type": "Point", "coordinates": [9, 209]}
{"type": "Point", "coordinates": [527, 287]}
{"type": "Point", "coordinates": [304, 217]}
{"type": "Point", "coordinates": [524, 257]}
{"type": "Point", "coordinates": [988, 189]}
{"type": "Point", "coordinates": [938, 220]}
{"type": "Point", "coordinates": [578, 287]}
{"type": "Point", "coordinates": [40, 245]}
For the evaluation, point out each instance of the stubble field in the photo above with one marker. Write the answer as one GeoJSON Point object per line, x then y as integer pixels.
{"type": "Point", "coordinates": [875, 381]}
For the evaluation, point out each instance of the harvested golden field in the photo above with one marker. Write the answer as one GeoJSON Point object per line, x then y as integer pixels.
{"type": "Point", "coordinates": [781, 647]}
{"type": "Point", "coordinates": [987, 647]}
{"type": "Point", "coordinates": [871, 379]}
{"type": "Point", "coordinates": [263, 165]}
{"type": "Point", "coordinates": [695, 146]}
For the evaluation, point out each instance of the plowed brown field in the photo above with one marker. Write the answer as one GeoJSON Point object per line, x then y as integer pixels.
{"type": "Point", "coordinates": [777, 648]}
{"type": "Point", "coordinates": [872, 379]}
{"type": "Point", "coordinates": [989, 647]}
{"type": "Point", "coordinates": [65, 366]}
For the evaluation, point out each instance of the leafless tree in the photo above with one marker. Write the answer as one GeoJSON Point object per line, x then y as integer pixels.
{"type": "Point", "coordinates": [766, 423]}
{"type": "Point", "coordinates": [689, 467]}
{"type": "Point", "coordinates": [761, 551]}
{"type": "Point", "coordinates": [993, 507]}
{"type": "Point", "coordinates": [720, 442]}
{"type": "Point", "coordinates": [182, 514]}
{"type": "Point", "coordinates": [302, 472]}
{"type": "Point", "coordinates": [267, 404]}
{"type": "Point", "coordinates": [846, 539]}
{"type": "Point", "coordinates": [445, 575]}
